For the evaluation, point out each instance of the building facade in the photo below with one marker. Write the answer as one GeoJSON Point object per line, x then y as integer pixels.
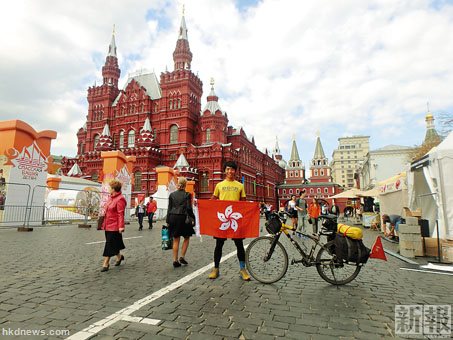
{"type": "Point", "coordinates": [161, 122]}
{"type": "Point", "coordinates": [347, 158]}
{"type": "Point", "coordinates": [383, 163]}
{"type": "Point", "coordinates": [319, 185]}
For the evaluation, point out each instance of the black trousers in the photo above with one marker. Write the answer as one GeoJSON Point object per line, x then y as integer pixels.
{"type": "Point", "coordinates": [150, 219]}
{"type": "Point", "coordinates": [239, 242]}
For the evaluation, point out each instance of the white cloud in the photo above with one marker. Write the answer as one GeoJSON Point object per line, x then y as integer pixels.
{"type": "Point", "coordinates": [280, 68]}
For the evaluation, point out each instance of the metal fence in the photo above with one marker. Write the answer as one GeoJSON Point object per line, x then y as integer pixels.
{"type": "Point", "coordinates": [22, 206]}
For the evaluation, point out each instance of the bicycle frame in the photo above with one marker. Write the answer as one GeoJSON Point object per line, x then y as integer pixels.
{"type": "Point", "coordinates": [307, 259]}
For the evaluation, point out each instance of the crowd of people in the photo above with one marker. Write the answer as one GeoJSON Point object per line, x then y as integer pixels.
{"type": "Point", "coordinates": [179, 208]}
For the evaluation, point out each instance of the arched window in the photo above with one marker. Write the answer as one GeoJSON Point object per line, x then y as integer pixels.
{"type": "Point", "coordinates": [171, 104]}
{"type": "Point", "coordinates": [316, 172]}
{"type": "Point", "coordinates": [96, 141]}
{"type": "Point", "coordinates": [173, 134]}
{"type": "Point", "coordinates": [326, 190]}
{"type": "Point", "coordinates": [208, 135]}
{"type": "Point", "coordinates": [179, 103]}
{"type": "Point", "coordinates": [311, 191]}
{"type": "Point", "coordinates": [121, 145]}
{"type": "Point", "coordinates": [137, 181]}
{"type": "Point", "coordinates": [204, 184]}
{"type": "Point", "coordinates": [319, 190]}
{"type": "Point", "coordinates": [131, 139]}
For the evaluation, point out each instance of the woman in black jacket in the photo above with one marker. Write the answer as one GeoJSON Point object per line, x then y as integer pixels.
{"type": "Point", "coordinates": [179, 206]}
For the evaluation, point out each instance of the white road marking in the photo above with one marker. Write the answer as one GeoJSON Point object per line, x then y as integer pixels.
{"type": "Point", "coordinates": [124, 314]}
{"type": "Point", "coordinates": [426, 271]}
{"type": "Point", "coordinates": [126, 238]}
{"type": "Point", "coordinates": [141, 320]}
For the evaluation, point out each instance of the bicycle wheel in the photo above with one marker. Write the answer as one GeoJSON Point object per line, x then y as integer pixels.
{"type": "Point", "coordinates": [332, 271]}
{"type": "Point", "coordinates": [274, 268]}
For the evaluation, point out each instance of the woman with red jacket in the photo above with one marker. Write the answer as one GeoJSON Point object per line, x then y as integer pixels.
{"type": "Point", "coordinates": [314, 210]}
{"type": "Point", "coordinates": [114, 225]}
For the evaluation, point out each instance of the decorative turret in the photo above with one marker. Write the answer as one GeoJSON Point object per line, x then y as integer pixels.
{"type": "Point", "coordinates": [75, 171]}
{"type": "Point", "coordinates": [146, 137]}
{"type": "Point", "coordinates": [295, 170]}
{"type": "Point", "coordinates": [105, 140]}
{"type": "Point", "coordinates": [110, 71]}
{"type": "Point", "coordinates": [431, 136]}
{"type": "Point", "coordinates": [182, 56]}
{"type": "Point", "coordinates": [320, 170]}
{"type": "Point", "coordinates": [276, 154]}
{"type": "Point", "coordinates": [184, 169]}
{"type": "Point", "coordinates": [213, 121]}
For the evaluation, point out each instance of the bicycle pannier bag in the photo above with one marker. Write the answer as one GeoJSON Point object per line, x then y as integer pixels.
{"type": "Point", "coordinates": [274, 225]}
{"type": "Point", "coordinates": [350, 250]}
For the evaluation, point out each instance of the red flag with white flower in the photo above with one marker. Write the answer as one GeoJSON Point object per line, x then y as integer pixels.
{"type": "Point", "coordinates": [229, 219]}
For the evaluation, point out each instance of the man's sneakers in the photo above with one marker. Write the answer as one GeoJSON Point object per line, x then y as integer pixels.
{"type": "Point", "coordinates": [244, 275]}
{"type": "Point", "coordinates": [214, 273]}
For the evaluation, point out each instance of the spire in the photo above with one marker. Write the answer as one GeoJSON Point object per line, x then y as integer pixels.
{"type": "Point", "coordinates": [147, 125]}
{"type": "Point", "coordinates": [212, 105]}
{"type": "Point", "coordinates": [182, 56]}
{"type": "Point", "coordinates": [181, 163]}
{"type": "Point", "coordinates": [75, 171]}
{"type": "Point", "coordinates": [112, 46]}
{"type": "Point", "coordinates": [106, 131]}
{"type": "Point", "coordinates": [105, 140]}
{"type": "Point", "coordinates": [146, 137]}
{"type": "Point", "coordinates": [319, 151]}
{"type": "Point", "coordinates": [276, 150]}
{"type": "Point", "coordinates": [294, 152]}
{"type": "Point", "coordinates": [111, 71]}
{"type": "Point", "coordinates": [431, 136]}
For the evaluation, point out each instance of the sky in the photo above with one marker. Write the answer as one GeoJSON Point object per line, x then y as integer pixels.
{"type": "Point", "coordinates": [282, 68]}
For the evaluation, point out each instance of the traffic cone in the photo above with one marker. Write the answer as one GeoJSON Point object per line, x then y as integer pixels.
{"type": "Point", "coordinates": [377, 250]}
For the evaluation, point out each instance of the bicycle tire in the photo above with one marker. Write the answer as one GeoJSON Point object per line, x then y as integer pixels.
{"type": "Point", "coordinates": [266, 271]}
{"type": "Point", "coordinates": [333, 272]}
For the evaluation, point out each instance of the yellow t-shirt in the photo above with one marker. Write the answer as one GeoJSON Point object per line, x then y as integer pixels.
{"type": "Point", "coordinates": [229, 190]}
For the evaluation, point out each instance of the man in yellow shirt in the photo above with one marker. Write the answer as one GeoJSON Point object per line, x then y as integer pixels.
{"type": "Point", "coordinates": [229, 190]}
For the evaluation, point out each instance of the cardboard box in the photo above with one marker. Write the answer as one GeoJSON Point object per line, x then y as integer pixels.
{"type": "Point", "coordinates": [447, 253]}
{"type": "Point", "coordinates": [431, 246]}
{"type": "Point", "coordinates": [412, 213]}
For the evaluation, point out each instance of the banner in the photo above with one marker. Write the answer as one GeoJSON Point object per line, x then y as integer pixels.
{"type": "Point", "coordinates": [229, 219]}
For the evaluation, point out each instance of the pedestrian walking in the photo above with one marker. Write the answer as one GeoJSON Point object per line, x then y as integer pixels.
{"type": "Point", "coordinates": [301, 207]}
{"type": "Point", "coordinates": [113, 225]}
{"type": "Point", "coordinates": [291, 209]}
{"type": "Point", "coordinates": [229, 190]}
{"type": "Point", "coordinates": [179, 206]}
{"type": "Point", "coordinates": [151, 208]}
{"type": "Point", "coordinates": [314, 210]}
{"type": "Point", "coordinates": [140, 213]}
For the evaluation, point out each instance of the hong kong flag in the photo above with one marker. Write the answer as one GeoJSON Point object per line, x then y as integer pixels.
{"type": "Point", "coordinates": [229, 219]}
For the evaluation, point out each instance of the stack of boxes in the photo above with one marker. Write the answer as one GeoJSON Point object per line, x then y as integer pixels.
{"type": "Point", "coordinates": [410, 244]}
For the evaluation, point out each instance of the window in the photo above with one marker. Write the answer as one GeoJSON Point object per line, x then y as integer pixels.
{"type": "Point", "coordinates": [316, 172]}
{"type": "Point", "coordinates": [322, 172]}
{"type": "Point", "coordinates": [173, 134]}
{"type": "Point", "coordinates": [318, 190]}
{"type": "Point", "coordinates": [95, 176]}
{"type": "Point", "coordinates": [137, 181]}
{"type": "Point", "coordinates": [131, 139]}
{"type": "Point", "coordinates": [326, 190]}
{"type": "Point", "coordinates": [311, 191]}
{"type": "Point", "coordinates": [290, 191]}
{"type": "Point", "coordinates": [284, 191]}
{"type": "Point", "coordinates": [96, 141]}
{"type": "Point", "coordinates": [121, 145]}
{"type": "Point", "coordinates": [204, 186]}
{"type": "Point", "coordinates": [208, 135]}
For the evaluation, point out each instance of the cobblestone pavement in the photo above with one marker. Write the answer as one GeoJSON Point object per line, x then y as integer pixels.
{"type": "Point", "coordinates": [51, 281]}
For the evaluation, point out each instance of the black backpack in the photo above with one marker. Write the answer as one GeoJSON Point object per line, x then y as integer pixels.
{"type": "Point", "coordinates": [349, 250]}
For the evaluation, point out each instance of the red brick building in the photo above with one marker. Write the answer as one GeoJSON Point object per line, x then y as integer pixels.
{"type": "Point", "coordinates": [319, 183]}
{"type": "Point", "coordinates": [161, 122]}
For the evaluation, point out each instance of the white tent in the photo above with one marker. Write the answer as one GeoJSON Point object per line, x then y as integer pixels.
{"type": "Point", "coordinates": [430, 187]}
{"type": "Point", "coordinates": [393, 194]}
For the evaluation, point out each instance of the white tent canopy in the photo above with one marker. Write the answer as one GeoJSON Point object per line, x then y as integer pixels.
{"type": "Point", "coordinates": [393, 194]}
{"type": "Point", "coordinates": [430, 185]}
